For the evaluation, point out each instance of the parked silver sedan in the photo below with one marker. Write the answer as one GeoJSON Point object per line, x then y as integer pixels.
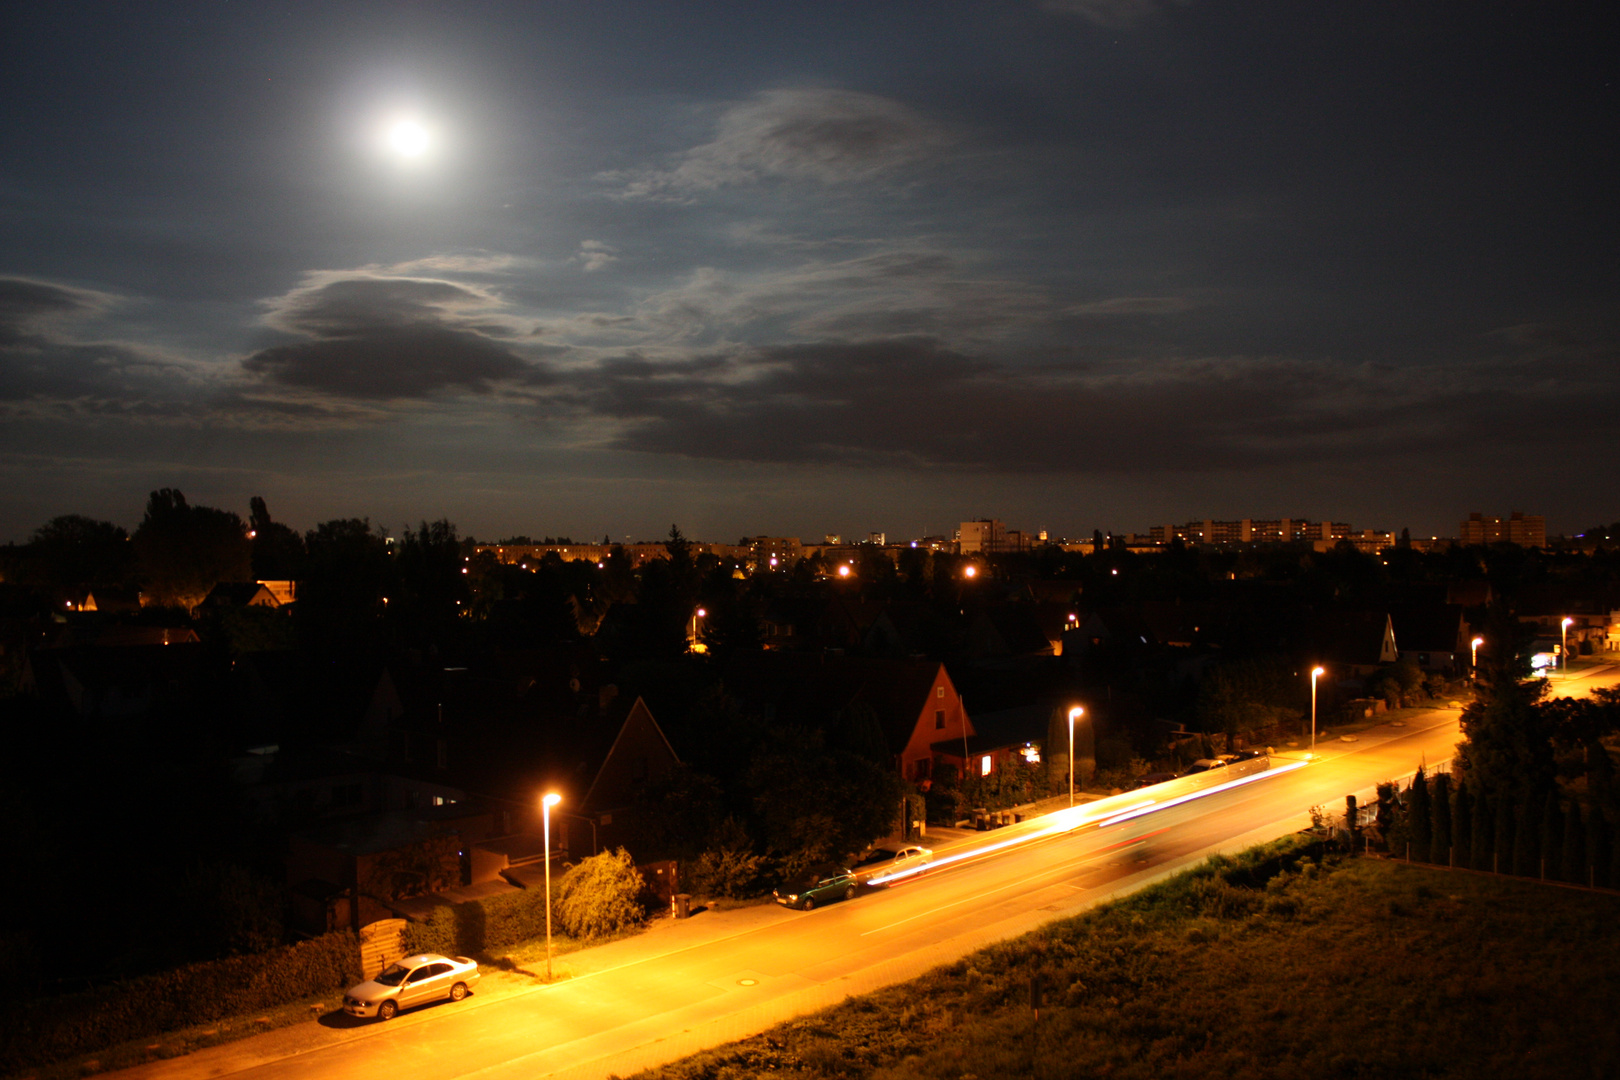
{"type": "Point", "coordinates": [411, 981]}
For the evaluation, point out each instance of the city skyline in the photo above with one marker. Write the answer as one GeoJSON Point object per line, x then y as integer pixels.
{"type": "Point", "coordinates": [791, 270]}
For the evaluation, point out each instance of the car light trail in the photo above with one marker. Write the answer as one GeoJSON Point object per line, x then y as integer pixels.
{"type": "Point", "coordinates": [1099, 813]}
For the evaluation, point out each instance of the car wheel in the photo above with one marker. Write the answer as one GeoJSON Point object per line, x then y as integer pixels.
{"type": "Point", "coordinates": [387, 1010]}
{"type": "Point", "coordinates": [849, 893]}
{"type": "Point", "coordinates": [809, 904]}
{"type": "Point", "coordinates": [458, 991]}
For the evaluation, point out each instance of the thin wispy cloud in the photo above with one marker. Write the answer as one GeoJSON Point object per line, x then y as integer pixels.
{"type": "Point", "coordinates": [823, 136]}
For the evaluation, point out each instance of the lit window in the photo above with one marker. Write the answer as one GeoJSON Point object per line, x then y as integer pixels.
{"type": "Point", "coordinates": [984, 765]}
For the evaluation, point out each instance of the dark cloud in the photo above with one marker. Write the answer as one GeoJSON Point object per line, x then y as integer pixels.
{"type": "Point", "coordinates": [384, 338]}
{"type": "Point", "coordinates": [355, 305]}
{"type": "Point", "coordinates": [42, 362]}
{"type": "Point", "coordinates": [408, 362]}
{"type": "Point", "coordinates": [29, 307]}
{"type": "Point", "coordinates": [915, 402]}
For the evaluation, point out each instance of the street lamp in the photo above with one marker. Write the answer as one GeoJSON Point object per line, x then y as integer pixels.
{"type": "Point", "coordinates": [1316, 672]}
{"type": "Point", "coordinates": [1473, 659]}
{"type": "Point", "coordinates": [546, 804]}
{"type": "Point", "coordinates": [1074, 714]}
{"type": "Point", "coordinates": [1563, 645]}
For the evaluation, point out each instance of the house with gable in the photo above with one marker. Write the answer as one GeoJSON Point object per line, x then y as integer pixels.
{"type": "Point", "coordinates": [914, 701]}
{"type": "Point", "coordinates": [1433, 636]}
{"type": "Point", "coordinates": [921, 713]}
{"type": "Point", "coordinates": [1349, 644]}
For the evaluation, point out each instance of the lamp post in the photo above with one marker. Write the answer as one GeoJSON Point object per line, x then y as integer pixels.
{"type": "Point", "coordinates": [1563, 640]}
{"type": "Point", "coordinates": [1316, 673]}
{"type": "Point", "coordinates": [1074, 714]}
{"type": "Point", "coordinates": [1473, 658]}
{"type": "Point", "coordinates": [694, 643]}
{"type": "Point", "coordinates": [546, 804]}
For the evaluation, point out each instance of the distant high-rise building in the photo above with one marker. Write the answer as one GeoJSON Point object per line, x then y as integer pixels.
{"type": "Point", "coordinates": [1526, 530]}
{"type": "Point", "coordinates": [988, 536]}
{"type": "Point", "coordinates": [1251, 531]}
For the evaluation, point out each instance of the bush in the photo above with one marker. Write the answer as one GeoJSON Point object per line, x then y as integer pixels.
{"type": "Point", "coordinates": [599, 896]}
{"type": "Point", "coordinates": [727, 873]}
{"type": "Point", "coordinates": [56, 1029]}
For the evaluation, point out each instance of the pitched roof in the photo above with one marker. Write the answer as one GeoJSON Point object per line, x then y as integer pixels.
{"type": "Point", "coordinates": [1428, 628]}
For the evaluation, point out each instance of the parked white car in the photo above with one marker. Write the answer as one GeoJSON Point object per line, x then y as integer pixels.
{"type": "Point", "coordinates": [412, 981]}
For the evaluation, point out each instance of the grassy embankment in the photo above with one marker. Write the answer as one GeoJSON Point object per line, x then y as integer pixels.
{"type": "Point", "coordinates": [1269, 965]}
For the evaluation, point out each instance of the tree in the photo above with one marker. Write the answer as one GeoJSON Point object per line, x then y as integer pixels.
{"type": "Point", "coordinates": [1462, 826]}
{"type": "Point", "coordinates": [278, 551]}
{"type": "Point", "coordinates": [1245, 695]}
{"type": "Point", "coordinates": [1572, 856]}
{"type": "Point", "coordinates": [600, 896]}
{"type": "Point", "coordinates": [1417, 815]}
{"type": "Point", "coordinates": [1579, 726]}
{"type": "Point", "coordinates": [813, 805]}
{"type": "Point", "coordinates": [1527, 837]}
{"type": "Point", "coordinates": [1507, 747]}
{"type": "Point", "coordinates": [184, 551]}
{"type": "Point", "coordinates": [1440, 819]}
{"type": "Point", "coordinates": [75, 550]}
{"type": "Point", "coordinates": [1482, 844]}
{"type": "Point", "coordinates": [1504, 836]}
{"type": "Point", "coordinates": [1552, 836]}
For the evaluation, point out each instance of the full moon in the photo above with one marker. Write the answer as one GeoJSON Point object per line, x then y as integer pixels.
{"type": "Point", "coordinates": [408, 138]}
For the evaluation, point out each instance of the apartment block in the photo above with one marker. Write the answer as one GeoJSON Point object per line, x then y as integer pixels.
{"type": "Point", "coordinates": [1526, 530]}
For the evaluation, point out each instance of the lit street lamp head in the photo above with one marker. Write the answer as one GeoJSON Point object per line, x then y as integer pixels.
{"type": "Point", "coordinates": [551, 800]}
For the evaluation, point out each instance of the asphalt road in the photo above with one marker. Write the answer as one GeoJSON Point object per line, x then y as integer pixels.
{"type": "Point", "coordinates": [723, 975]}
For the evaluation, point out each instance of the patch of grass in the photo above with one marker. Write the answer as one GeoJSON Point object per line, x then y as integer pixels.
{"type": "Point", "coordinates": [1281, 962]}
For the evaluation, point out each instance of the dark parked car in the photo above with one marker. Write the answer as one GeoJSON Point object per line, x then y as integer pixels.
{"type": "Point", "coordinates": [1149, 779]}
{"type": "Point", "coordinates": [1204, 765]}
{"type": "Point", "coordinates": [820, 886]}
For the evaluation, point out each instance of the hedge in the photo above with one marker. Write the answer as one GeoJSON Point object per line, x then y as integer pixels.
{"type": "Point", "coordinates": [594, 898]}
{"type": "Point", "coordinates": [476, 925]}
{"type": "Point", "coordinates": [57, 1029]}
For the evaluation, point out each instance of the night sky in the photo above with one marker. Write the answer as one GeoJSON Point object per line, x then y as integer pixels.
{"type": "Point", "coordinates": [592, 268]}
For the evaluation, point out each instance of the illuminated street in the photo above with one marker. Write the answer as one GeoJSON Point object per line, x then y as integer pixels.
{"type": "Point", "coordinates": [723, 975]}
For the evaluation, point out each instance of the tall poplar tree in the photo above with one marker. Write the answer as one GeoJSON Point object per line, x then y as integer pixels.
{"type": "Point", "coordinates": [1440, 819]}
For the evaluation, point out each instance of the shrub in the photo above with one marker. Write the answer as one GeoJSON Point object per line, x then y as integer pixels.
{"type": "Point", "coordinates": [727, 873]}
{"type": "Point", "coordinates": [599, 896]}
{"type": "Point", "coordinates": [56, 1029]}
